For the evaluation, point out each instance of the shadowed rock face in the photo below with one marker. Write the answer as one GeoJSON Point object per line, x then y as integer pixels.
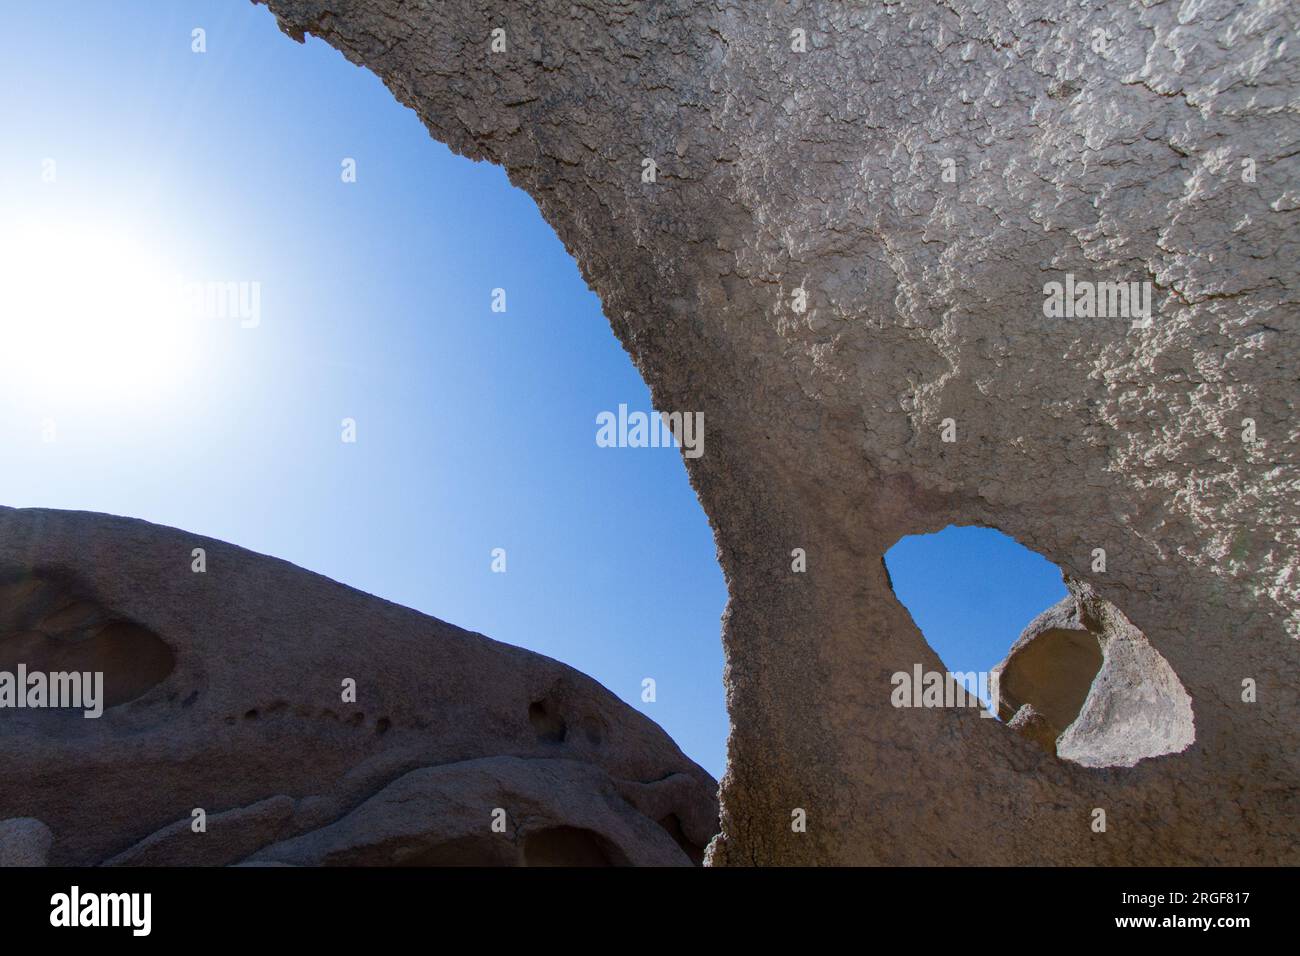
{"type": "Point", "coordinates": [1051, 671]}
{"type": "Point", "coordinates": [225, 693]}
{"type": "Point", "coordinates": [918, 174]}
{"type": "Point", "coordinates": [46, 624]}
{"type": "Point", "coordinates": [24, 842]}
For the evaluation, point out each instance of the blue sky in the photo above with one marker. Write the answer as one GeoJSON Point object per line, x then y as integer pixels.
{"type": "Point", "coordinates": [475, 429]}
{"type": "Point", "coordinates": [971, 591]}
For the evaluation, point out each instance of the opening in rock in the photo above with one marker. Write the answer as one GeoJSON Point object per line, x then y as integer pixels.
{"type": "Point", "coordinates": [48, 626]}
{"type": "Point", "coordinates": [1080, 680]}
{"type": "Point", "coordinates": [546, 720]}
{"type": "Point", "coordinates": [971, 591]}
{"type": "Point", "coordinates": [1052, 676]}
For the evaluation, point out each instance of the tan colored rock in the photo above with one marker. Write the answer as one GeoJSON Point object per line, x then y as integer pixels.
{"type": "Point", "coordinates": [1083, 683]}
{"type": "Point", "coordinates": [846, 254]}
{"type": "Point", "coordinates": [1136, 708]}
{"type": "Point", "coordinates": [1036, 727]}
{"type": "Point", "coordinates": [226, 694]}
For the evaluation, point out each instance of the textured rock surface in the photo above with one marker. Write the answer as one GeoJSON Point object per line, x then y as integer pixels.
{"type": "Point", "coordinates": [1151, 142]}
{"type": "Point", "coordinates": [559, 811]}
{"type": "Point", "coordinates": [1136, 708]}
{"type": "Point", "coordinates": [24, 842]}
{"type": "Point", "coordinates": [1083, 683]}
{"type": "Point", "coordinates": [238, 833]}
{"type": "Point", "coordinates": [230, 687]}
{"type": "Point", "coordinates": [1035, 726]}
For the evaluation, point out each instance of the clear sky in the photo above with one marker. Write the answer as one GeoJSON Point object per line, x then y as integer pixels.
{"type": "Point", "coordinates": [971, 591]}
{"type": "Point", "coordinates": [130, 164]}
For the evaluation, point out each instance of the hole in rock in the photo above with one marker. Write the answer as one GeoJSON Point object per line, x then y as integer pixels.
{"type": "Point", "coordinates": [49, 626]}
{"type": "Point", "coordinates": [971, 591]}
{"type": "Point", "coordinates": [593, 731]}
{"type": "Point", "coordinates": [546, 720]}
{"type": "Point", "coordinates": [1054, 660]}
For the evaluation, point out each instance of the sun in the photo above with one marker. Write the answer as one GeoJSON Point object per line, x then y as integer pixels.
{"type": "Point", "coordinates": [88, 314]}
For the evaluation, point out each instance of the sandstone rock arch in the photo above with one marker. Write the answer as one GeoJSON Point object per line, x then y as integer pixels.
{"type": "Point", "coordinates": [1110, 142]}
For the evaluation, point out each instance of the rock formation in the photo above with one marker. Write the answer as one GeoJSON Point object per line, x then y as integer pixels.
{"type": "Point", "coordinates": [24, 842]}
{"type": "Point", "coordinates": [226, 693]}
{"type": "Point", "coordinates": [1084, 684]}
{"type": "Point", "coordinates": [845, 233]}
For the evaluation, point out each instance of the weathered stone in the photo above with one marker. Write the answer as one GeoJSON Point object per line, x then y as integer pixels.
{"type": "Point", "coordinates": [231, 687]}
{"type": "Point", "coordinates": [553, 813]}
{"type": "Point", "coordinates": [1083, 683]}
{"type": "Point", "coordinates": [1036, 727]}
{"type": "Point", "coordinates": [226, 838]}
{"type": "Point", "coordinates": [24, 842]}
{"type": "Point", "coordinates": [1136, 707]}
{"type": "Point", "coordinates": [921, 173]}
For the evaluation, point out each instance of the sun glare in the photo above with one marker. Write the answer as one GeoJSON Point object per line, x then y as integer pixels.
{"type": "Point", "coordinates": [88, 314]}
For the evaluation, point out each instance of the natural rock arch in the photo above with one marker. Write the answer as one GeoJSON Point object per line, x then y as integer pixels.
{"type": "Point", "coordinates": [920, 172]}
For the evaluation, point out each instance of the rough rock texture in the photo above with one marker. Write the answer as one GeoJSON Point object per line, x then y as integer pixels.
{"type": "Point", "coordinates": [239, 832]}
{"type": "Point", "coordinates": [230, 687]}
{"type": "Point", "coordinates": [559, 812]}
{"type": "Point", "coordinates": [24, 842]}
{"type": "Point", "coordinates": [1036, 727]}
{"type": "Point", "coordinates": [1148, 142]}
{"type": "Point", "coordinates": [1083, 683]}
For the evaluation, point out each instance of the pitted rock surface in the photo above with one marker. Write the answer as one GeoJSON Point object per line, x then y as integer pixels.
{"type": "Point", "coordinates": [845, 249]}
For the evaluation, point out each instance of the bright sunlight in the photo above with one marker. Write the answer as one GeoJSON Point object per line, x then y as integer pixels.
{"type": "Point", "coordinates": [89, 314]}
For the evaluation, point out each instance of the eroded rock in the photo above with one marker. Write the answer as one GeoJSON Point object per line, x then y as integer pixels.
{"type": "Point", "coordinates": [1083, 683]}
{"type": "Point", "coordinates": [234, 835]}
{"type": "Point", "coordinates": [1036, 727]}
{"type": "Point", "coordinates": [24, 842]}
{"type": "Point", "coordinates": [232, 702]}
{"type": "Point", "coordinates": [844, 259]}
{"type": "Point", "coordinates": [552, 813]}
